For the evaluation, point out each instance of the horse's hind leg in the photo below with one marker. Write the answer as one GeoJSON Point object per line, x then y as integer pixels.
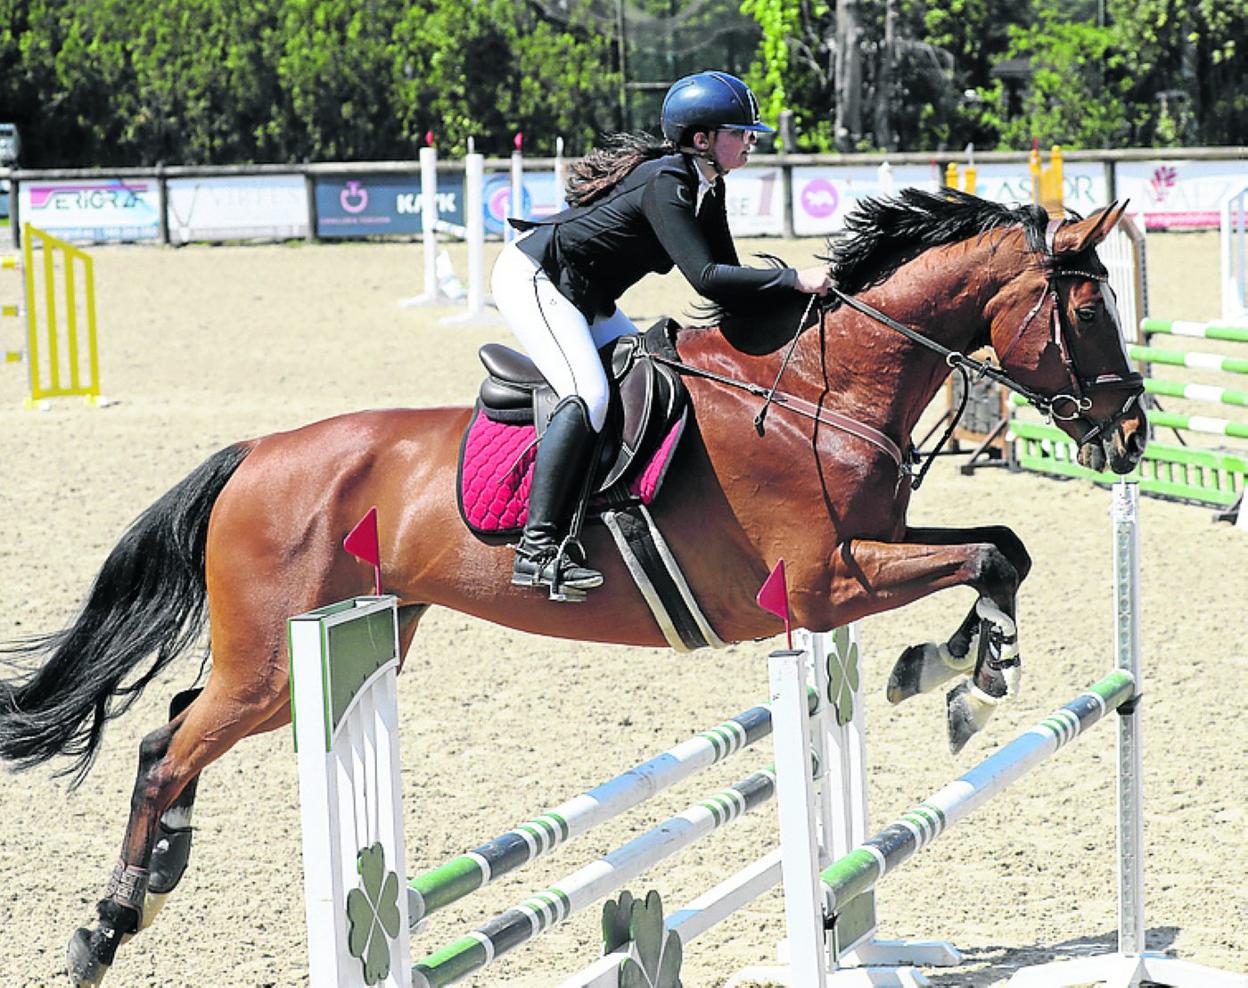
{"type": "Point", "coordinates": [170, 761]}
{"type": "Point", "coordinates": [172, 849]}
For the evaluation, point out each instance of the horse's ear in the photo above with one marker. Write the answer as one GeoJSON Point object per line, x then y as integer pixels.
{"type": "Point", "coordinates": [1086, 234]}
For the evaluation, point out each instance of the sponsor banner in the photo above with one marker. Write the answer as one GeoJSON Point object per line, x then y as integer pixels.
{"type": "Point", "coordinates": [1084, 188]}
{"type": "Point", "coordinates": [824, 195]}
{"type": "Point", "coordinates": [755, 202]}
{"type": "Point", "coordinates": [371, 205]}
{"type": "Point", "coordinates": [539, 197]}
{"type": "Point", "coordinates": [1179, 194]}
{"type": "Point", "coordinates": [96, 210]}
{"type": "Point", "coordinates": [236, 207]}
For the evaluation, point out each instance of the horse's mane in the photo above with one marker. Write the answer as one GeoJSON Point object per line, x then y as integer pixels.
{"type": "Point", "coordinates": [883, 234]}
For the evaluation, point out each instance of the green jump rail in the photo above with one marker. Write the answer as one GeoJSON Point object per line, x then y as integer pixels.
{"type": "Point", "coordinates": [1182, 472]}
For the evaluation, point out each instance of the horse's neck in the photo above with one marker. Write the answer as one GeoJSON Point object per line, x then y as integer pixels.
{"type": "Point", "coordinates": [872, 371]}
{"type": "Point", "coordinates": [852, 364]}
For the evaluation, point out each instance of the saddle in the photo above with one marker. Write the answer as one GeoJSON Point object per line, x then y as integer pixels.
{"type": "Point", "coordinates": [648, 412]}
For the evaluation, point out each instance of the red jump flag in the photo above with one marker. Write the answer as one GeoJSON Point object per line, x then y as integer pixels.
{"type": "Point", "coordinates": [773, 596]}
{"type": "Point", "coordinates": [362, 542]}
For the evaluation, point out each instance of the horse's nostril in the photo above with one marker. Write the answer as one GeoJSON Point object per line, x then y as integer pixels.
{"type": "Point", "coordinates": [1135, 443]}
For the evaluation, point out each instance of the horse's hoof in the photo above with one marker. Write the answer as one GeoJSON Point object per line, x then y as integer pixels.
{"type": "Point", "coordinates": [83, 962]}
{"type": "Point", "coordinates": [968, 709]}
{"type": "Point", "coordinates": [922, 668]}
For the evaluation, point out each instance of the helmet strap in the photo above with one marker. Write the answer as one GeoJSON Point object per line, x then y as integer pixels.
{"type": "Point", "coordinates": [709, 157]}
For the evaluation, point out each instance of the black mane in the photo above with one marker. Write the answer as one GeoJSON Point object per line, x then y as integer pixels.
{"type": "Point", "coordinates": [885, 233]}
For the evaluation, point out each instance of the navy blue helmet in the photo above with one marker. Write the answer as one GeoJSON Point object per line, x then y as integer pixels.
{"type": "Point", "coordinates": [709, 101]}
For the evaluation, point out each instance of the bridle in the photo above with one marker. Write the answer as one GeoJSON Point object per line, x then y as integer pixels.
{"type": "Point", "coordinates": [1065, 406]}
{"type": "Point", "coordinates": [1079, 398]}
{"type": "Point", "coordinates": [1083, 390]}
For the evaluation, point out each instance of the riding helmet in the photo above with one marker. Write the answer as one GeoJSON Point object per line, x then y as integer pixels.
{"type": "Point", "coordinates": [707, 101]}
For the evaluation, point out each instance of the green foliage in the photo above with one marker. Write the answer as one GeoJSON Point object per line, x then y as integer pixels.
{"type": "Point", "coordinates": [110, 83]}
{"type": "Point", "coordinates": [778, 19]}
{"type": "Point", "coordinates": [1076, 95]}
{"type": "Point", "coordinates": [223, 81]}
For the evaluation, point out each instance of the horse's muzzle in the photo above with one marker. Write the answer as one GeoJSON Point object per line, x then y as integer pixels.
{"type": "Point", "coordinates": [1119, 447]}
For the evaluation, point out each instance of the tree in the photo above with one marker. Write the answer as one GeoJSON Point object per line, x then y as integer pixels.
{"type": "Point", "coordinates": [1077, 95]}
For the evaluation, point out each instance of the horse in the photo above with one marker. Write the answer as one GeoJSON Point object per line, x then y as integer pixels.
{"type": "Point", "coordinates": [254, 534]}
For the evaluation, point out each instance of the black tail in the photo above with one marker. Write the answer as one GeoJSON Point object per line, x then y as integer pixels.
{"type": "Point", "coordinates": [149, 597]}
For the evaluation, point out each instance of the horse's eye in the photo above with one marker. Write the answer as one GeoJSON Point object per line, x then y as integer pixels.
{"type": "Point", "coordinates": [1086, 313]}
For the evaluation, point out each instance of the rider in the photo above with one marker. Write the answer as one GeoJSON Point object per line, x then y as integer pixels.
{"type": "Point", "coordinates": [636, 205]}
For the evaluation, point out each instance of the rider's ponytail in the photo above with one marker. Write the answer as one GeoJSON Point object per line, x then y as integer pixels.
{"type": "Point", "coordinates": [601, 170]}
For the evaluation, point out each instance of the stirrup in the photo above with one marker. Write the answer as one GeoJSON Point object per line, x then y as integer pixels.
{"type": "Point", "coordinates": [548, 566]}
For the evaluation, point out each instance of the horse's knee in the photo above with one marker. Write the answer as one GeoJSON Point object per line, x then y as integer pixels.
{"type": "Point", "coordinates": [1012, 546]}
{"type": "Point", "coordinates": [994, 574]}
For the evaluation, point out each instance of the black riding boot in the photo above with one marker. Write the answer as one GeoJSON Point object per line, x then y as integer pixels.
{"type": "Point", "coordinates": [563, 459]}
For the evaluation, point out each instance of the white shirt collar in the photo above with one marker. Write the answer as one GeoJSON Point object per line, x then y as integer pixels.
{"type": "Point", "coordinates": [705, 186]}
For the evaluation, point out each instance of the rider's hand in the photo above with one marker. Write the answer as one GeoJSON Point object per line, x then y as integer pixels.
{"type": "Point", "coordinates": [814, 281]}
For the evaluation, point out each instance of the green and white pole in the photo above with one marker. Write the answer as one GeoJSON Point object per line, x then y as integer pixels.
{"type": "Point", "coordinates": [862, 868]}
{"type": "Point", "coordinates": [463, 875]}
{"type": "Point", "coordinates": [1234, 332]}
{"type": "Point", "coordinates": [587, 885]}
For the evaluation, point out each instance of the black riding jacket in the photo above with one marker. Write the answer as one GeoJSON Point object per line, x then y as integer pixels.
{"type": "Point", "coordinates": [646, 223]}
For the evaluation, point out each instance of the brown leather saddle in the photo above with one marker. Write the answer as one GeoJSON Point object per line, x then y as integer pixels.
{"type": "Point", "coordinates": [648, 398]}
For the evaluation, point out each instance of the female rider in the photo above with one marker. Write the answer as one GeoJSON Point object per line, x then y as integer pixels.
{"type": "Point", "coordinates": [637, 206]}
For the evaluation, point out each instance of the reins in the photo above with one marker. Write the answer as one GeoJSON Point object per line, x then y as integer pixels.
{"type": "Point", "coordinates": [799, 406]}
{"type": "Point", "coordinates": [970, 368]}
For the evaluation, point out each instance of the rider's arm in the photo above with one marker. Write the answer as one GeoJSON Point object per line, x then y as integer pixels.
{"type": "Point", "coordinates": [668, 205]}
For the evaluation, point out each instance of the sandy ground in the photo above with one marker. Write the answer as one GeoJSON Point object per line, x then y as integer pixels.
{"type": "Point", "coordinates": [202, 346]}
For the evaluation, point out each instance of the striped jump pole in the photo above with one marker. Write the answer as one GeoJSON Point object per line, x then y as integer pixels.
{"type": "Point", "coordinates": [1209, 393]}
{"type": "Point", "coordinates": [1188, 358]}
{"type": "Point", "coordinates": [582, 888]}
{"type": "Point", "coordinates": [1235, 332]}
{"type": "Point", "coordinates": [862, 868]}
{"type": "Point", "coordinates": [465, 874]}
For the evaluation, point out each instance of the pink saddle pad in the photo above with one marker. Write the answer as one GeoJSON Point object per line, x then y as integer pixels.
{"type": "Point", "coordinates": [496, 472]}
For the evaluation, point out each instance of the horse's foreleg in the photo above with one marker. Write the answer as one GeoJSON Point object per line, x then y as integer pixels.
{"type": "Point", "coordinates": [868, 577]}
{"type": "Point", "coordinates": [985, 641]}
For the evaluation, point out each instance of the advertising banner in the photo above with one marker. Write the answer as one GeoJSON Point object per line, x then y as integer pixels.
{"type": "Point", "coordinates": [539, 198]}
{"type": "Point", "coordinates": [755, 202]}
{"type": "Point", "coordinates": [381, 205]}
{"type": "Point", "coordinates": [1179, 194]}
{"type": "Point", "coordinates": [1084, 188]}
{"type": "Point", "coordinates": [236, 207]}
{"type": "Point", "coordinates": [824, 195]}
{"type": "Point", "coordinates": [95, 210]}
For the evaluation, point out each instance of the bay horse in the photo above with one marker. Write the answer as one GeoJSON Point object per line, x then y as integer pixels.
{"type": "Point", "coordinates": [254, 535]}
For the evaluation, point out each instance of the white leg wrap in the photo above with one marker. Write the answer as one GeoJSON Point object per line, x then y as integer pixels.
{"type": "Point", "coordinates": [940, 665]}
{"type": "Point", "coordinates": [1013, 673]}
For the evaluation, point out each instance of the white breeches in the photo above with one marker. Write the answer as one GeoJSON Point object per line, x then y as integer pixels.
{"type": "Point", "coordinates": [553, 331]}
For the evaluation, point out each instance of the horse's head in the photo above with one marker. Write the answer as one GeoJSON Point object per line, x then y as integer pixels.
{"type": "Point", "coordinates": [1057, 332]}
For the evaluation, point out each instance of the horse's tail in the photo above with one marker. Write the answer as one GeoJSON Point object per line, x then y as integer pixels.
{"type": "Point", "coordinates": [149, 597]}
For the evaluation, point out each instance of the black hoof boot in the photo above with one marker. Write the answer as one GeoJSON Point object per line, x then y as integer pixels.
{"type": "Point", "coordinates": [170, 855]}
{"type": "Point", "coordinates": [91, 952]}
